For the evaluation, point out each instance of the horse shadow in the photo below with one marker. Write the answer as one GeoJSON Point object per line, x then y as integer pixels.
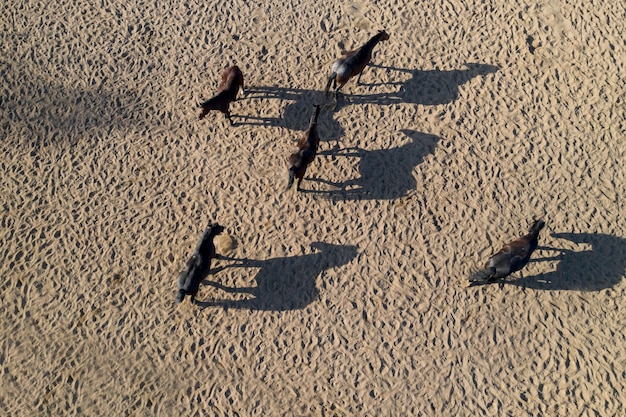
{"type": "Point", "coordinates": [296, 114]}
{"type": "Point", "coordinates": [599, 268]}
{"type": "Point", "coordinates": [386, 174]}
{"type": "Point", "coordinates": [429, 87]}
{"type": "Point", "coordinates": [285, 283]}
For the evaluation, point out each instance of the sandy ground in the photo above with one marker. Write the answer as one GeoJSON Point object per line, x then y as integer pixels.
{"type": "Point", "coordinates": [348, 299]}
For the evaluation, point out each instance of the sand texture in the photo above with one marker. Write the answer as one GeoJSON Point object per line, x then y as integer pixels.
{"type": "Point", "coordinates": [350, 298]}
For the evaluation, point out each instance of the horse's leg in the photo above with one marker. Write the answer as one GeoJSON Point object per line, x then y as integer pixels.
{"type": "Point", "coordinates": [227, 114]}
{"type": "Point", "coordinates": [331, 81]}
{"type": "Point", "coordinates": [358, 80]}
{"type": "Point", "coordinates": [339, 87]}
{"type": "Point", "coordinates": [336, 93]}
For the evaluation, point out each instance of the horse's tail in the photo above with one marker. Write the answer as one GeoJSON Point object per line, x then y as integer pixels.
{"type": "Point", "coordinates": [482, 276]}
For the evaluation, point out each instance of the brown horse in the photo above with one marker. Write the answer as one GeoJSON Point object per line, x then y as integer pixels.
{"type": "Point", "coordinates": [305, 151]}
{"type": "Point", "coordinates": [511, 258]}
{"type": "Point", "coordinates": [227, 90]}
{"type": "Point", "coordinates": [198, 264]}
{"type": "Point", "coordinates": [353, 63]}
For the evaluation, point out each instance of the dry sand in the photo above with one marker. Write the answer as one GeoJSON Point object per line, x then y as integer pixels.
{"type": "Point", "coordinates": [352, 298]}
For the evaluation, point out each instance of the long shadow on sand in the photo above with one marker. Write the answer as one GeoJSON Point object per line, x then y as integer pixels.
{"type": "Point", "coordinates": [386, 174]}
{"type": "Point", "coordinates": [286, 283]}
{"type": "Point", "coordinates": [430, 87]}
{"type": "Point", "coordinates": [599, 268]}
{"type": "Point", "coordinates": [296, 114]}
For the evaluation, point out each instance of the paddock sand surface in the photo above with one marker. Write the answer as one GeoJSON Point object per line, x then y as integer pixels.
{"type": "Point", "coordinates": [349, 299]}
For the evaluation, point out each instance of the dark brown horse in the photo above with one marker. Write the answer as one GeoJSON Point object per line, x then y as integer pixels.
{"type": "Point", "coordinates": [305, 152]}
{"type": "Point", "coordinates": [199, 264]}
{"type": "Point", "coordinates": [353, 63]}
{"type": "Point", "coordinates": [511, 258]}
{"type": "Point", "coordinates": [232, 80]}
